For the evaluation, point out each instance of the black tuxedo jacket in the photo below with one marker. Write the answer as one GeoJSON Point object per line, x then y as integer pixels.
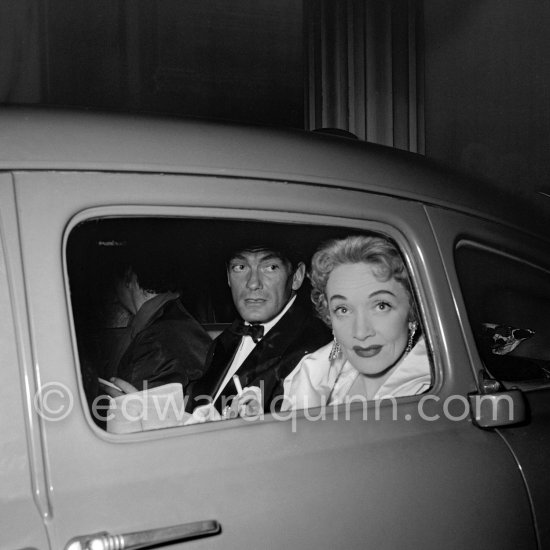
{"type": "Point", "coordinates": [297, 333]}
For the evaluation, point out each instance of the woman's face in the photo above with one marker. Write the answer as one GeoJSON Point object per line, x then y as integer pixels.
{"type": "Point", "coordinates": [369, 317]}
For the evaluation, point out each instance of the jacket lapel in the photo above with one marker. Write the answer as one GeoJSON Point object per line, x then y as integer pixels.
{"type": "Point", "coordinates": [273, 345]}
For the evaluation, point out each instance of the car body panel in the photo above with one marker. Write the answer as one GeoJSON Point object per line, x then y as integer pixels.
{"type": "Point", "coordinates": [297, 483]}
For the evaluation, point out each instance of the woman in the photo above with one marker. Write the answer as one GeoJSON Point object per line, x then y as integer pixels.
{"type": "Point", "coordinates": [361, 289]}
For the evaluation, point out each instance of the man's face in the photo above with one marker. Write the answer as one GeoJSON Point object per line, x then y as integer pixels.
{"type": "Point", "coordinates": [261, 284]}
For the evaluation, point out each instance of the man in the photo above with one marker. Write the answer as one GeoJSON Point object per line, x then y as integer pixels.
{"type": "Point", "coordinates": [163, 342]}
{"type": "Point", "coordinates": [274, 332]}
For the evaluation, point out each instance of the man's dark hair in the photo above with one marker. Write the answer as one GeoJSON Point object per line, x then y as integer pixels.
{"type": "Point", "coordinates": [284, 252]}
{"type": "Point", "coordinates": [156, 270]}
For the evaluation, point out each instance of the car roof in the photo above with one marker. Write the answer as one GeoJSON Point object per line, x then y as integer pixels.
{"type": "Point", "coordinates": [62, 139]}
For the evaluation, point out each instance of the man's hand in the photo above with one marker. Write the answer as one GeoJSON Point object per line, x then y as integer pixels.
{"type": "Point", "coordinates": [203, 413]}
{"type": "Point", "coordinates": [249, 403]}
{"type": "Point", "coordinates": [116, 387]}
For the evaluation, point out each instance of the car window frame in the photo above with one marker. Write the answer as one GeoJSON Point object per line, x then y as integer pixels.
{"type": "Point", "coordinates": [430, 318]}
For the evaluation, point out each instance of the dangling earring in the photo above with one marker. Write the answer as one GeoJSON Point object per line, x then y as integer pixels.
{"type": "Point", "coordinates": [335, 351]}
{"type": "Point", "coordinates": [413, 325]}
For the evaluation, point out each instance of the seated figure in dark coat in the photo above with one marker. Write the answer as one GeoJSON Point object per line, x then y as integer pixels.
{"type": "Point", "coordinates": [163, 343]}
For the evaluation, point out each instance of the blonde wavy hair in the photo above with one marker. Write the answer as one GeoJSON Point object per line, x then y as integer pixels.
{"type": "Point", "coordinates": [377, 252]}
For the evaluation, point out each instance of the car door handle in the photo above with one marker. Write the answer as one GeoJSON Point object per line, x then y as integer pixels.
{"type": "Point", "coordinates": [144, 539]}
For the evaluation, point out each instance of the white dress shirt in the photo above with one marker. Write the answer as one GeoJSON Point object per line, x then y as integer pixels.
{"type": "Point", "coordinates": [246, 346]}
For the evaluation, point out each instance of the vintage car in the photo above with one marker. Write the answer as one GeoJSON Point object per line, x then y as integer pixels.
{"type": "Point", "coordinates": [464, 465]}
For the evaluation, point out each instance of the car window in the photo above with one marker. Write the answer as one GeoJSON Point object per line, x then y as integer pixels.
{"type": "Point", "coordinates": [508, 300]}
{"type": "Point", "coordinates": [187, 260]}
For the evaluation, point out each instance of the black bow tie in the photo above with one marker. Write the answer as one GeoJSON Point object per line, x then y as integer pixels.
{"type": "Point", "coordinates": [255, 331]}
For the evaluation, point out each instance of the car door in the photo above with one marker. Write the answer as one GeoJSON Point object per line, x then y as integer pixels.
{"type": "Point", "coordinates": [413, 472]}
{"type": "Point", "coordinates": [503, 275]}
{"type": "Point", "coordinates": [23, 501]}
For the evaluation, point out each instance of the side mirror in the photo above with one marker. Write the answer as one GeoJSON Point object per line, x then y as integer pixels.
{"type": "Point", "coordinates": [493, 410]}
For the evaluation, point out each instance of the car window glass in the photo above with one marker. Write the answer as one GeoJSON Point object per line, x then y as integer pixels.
{"type": "Point", "coordinates": [187, 260]}
{"type": "Point", "coordinates": [508, 301]}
